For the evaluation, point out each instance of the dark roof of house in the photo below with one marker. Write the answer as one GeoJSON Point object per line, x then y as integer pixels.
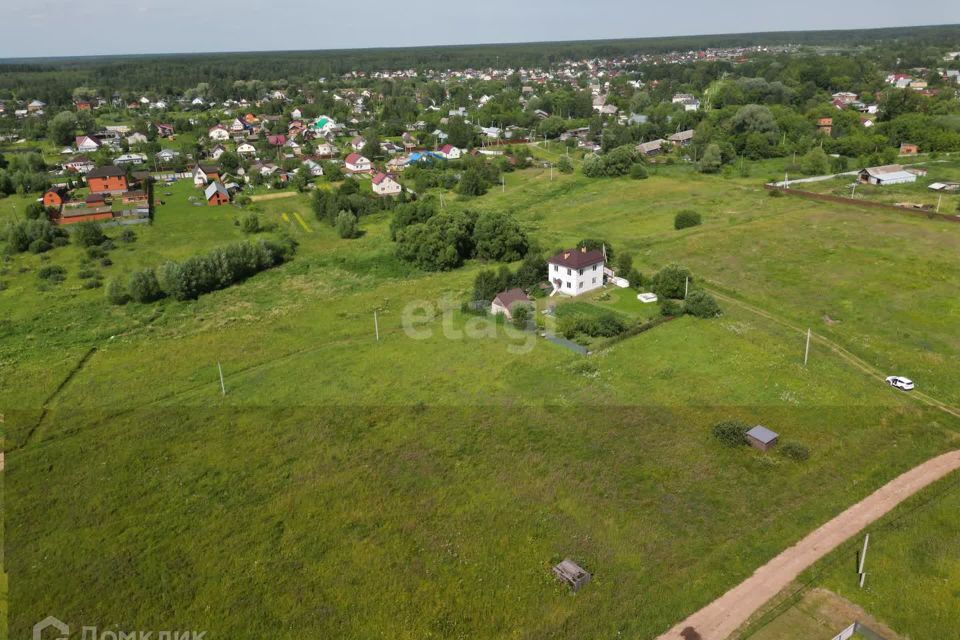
{"type": "Point", "coordinates": [762, 434]}
{"type": "Point", "coordinates": [94, 197]}
{"type": "Point", "coordinates": [106, 172]}
{"type": "Point", "coordinates": [577, 258]}
{"type": "Point", "coordinates": [510, 297]}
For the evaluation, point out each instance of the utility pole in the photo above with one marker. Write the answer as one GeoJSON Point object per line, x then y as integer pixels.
{"type": "Point", "coordinates": [503, 185]}
{"type": "Point", "coordinates": [806, 353]}
{"type": "Point", "coordinates": [939, 199]}
{"type": "Point", "coordinates": [376, 325]}
{"type": "Point", "coordinates": [686, 287]}
{"type": "Point", "coordinates": [863, 557]}
{"type": "Point", "coordinates": [223, 388]}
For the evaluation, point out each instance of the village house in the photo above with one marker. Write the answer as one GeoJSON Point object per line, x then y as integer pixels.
{"type": "Point", "coordinates": [219, 133]}
{"type": "Point", "coordinates": [129, 159]}
{"type": "Point", "coordinates": [237, 126]}
{"type": "Point", "coordinates": [357, 143]}
{"type": "Point", "coordinates": [324, 149]}
{"type": "Point", "coordinates": [80, 164]}
{"type": "Point", "coordinates": [886, 175]}
{"type": "Point", "coordinates": [136, 138]}
{"type": "Point", "coordinates": [313, 168]}
{"type": "Point", "coordinates": [449, 152]}
{"type": "Point", "coordinates": [217, 151]}
{"type": "Point", "coordinates": [246, 149]}
{"type": "Point", "coordinates": [55, 197]}
{"type": "Point", "coordinates": [576, 271]}
{"type": "Point", "coordinates": [652, 148]}
{"type": "Point", "coordinates": [385, 185]}
{"type": "Point", "coordinates": [505, 301]}
{"type": "Point", "coordinates": [216, 194]}
{"type": "Point", "coordinates": [204, 173]}
{"type": "Point", "coordinates": [909, 149]}
{"type": "Point", "coordinates": [87, 144]}
{"type": "Point", "coordinates": [356, 163]}
{"type": "Point", "coordinates": [846, 97]}
{"type": "Point", "coordinates": [682, 138]}
{"type": "Point", "coordinates": [109, 179]}
{"type": "Point", "coordinates": [825, 126]}
{"type": "Point", "coordinates": [397, 163]}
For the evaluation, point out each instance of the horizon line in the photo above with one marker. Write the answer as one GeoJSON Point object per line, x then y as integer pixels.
{"type": "Point", "coordinates": [27, 59]}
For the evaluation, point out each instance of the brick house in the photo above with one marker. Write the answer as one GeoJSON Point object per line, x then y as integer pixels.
{"type": "Point", "coordinates": [55, 197]}
{"type": "Point", "coordinates": [107, 180]}
{"type": "Point", "coordinates": [216, 194]}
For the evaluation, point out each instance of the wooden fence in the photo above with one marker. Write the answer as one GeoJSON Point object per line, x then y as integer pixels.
{"type": "Point", "coordinates": [824, 197]}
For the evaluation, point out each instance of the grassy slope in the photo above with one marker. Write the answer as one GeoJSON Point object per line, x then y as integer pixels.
{"type": "Point", "coordinates": [469, 468]}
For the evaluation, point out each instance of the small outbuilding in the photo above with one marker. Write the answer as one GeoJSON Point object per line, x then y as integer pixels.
{"type": "Point", "coordinates": [573, 574]}
{"type": "Point", "coordinates": [762, 438]}
{"type": "Point", "coordinates": [504, 301]}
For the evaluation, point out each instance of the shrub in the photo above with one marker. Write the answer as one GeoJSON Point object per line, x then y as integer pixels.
{"type": "Point", "coordinates": [60, 241]}
{"type": "Point", "coordinates": [564, 165]}
{"type": "Point", "coordinates": [701, 304]}
{"type": "Point", "coordinates": [686, 219]}
{"type": "Point", "coordinates": [53, 273]}
{"type": "Point", "coordinates": [347, 225]}
{"type": "Point", "coordinates": [669, 308]}
{"type": "Point", "coordinates": [775, 193]}
{"type": "Point", "coordinates": [497, 236]}
{"type": "Point", "coordinates": [520, 315]}
{"type": "Point", "coordinates": [128, 236]}
{"type": "Point", "coordinates": [40, 246]}
{"type": "Point", "coordinates": [88, 234]}
{"type": "Point", "coordinates": [671, 281]}
{"type": "Point", "coordinates": [731, 433]}
{"type": "Point", "coordinates": [250, 223]}
{"type": "Point", "coordinates": [106, 262]}
{"type": "Point", "coordinates": [605, 325]}
{"type": "Point", "coordinates": [116, 293]}
{"type": "Point", "coordinates": [794, 451]}
{"type": "Point", "coordinates": [95, 252]}
{"type": "Point", "coordinates": [93, 283]}
{"type": "Point", "coordinates": [143, 286]}
{"type": "Point", "coordinates": [638, 172]}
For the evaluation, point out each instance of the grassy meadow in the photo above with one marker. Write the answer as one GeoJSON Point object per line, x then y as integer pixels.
{"type": "Point", "coordinates": [422, 485]}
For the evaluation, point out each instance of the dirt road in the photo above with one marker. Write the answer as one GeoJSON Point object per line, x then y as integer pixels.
{"type": "Point", "coordinates": [724, 615]}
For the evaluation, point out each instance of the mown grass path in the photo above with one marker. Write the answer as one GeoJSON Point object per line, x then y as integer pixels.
{"type": "Point", "coordinates": [724, 615]}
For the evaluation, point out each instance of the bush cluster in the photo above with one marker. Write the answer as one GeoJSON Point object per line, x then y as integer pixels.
{"type": "Point", "coordinates": [202, 274]}
{"type": "Point", "coordinates": [444, 240]}
{"type": "Point", "coordinates": [731, 433]}
{"type": "Point", "coordinates": [604, 325]}
{"type": "Point", "coordinates": [686, 219]}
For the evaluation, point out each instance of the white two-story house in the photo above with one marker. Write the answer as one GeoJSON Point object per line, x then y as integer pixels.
{"type": "Point", "coordinates": [576, 271]}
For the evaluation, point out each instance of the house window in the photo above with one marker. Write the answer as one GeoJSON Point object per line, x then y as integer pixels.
{"type": "Point", "coordinates": [594, 267]}
{"type": "Point", "coordinates": [594, 281]}
{"type": "Point", "coordinates": [568, 271]}
{"type": "Point", "coordinates": [568, 284]}
{"type": "Point", "coordinates": [581, 272]}
{"type": "Point", "coordinates": [579, 285]}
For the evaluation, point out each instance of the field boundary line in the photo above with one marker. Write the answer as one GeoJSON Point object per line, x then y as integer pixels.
{"type": "Point", "coordinates": [722, 617]}
{"type": "Point", "coordinates": [840, 351]}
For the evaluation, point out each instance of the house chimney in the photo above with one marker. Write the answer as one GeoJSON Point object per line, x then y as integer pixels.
{"type": "Point", "coordinates": [583, 249]}
{"type": "Point", "coordinates": [566, 254]}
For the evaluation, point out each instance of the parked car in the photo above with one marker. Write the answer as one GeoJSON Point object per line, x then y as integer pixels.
{"type": "Point", "coordinates": [904, 384]}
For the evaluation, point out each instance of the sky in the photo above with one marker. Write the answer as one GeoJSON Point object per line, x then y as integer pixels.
{"type": "Point", "coordinates": [40, 28]}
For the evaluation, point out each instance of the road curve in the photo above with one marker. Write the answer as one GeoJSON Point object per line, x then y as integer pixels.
{"type": "Point", "coordinates": [723, 616]}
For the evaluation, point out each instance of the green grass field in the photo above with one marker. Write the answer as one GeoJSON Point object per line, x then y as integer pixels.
{"type": "Point", "coordinates": [423, 486]}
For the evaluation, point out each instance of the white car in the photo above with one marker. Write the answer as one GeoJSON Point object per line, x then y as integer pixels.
{"type": "Point", "coordinates": [904, 384]}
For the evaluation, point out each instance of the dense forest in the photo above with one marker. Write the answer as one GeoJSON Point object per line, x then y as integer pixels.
{"type": "Point", "coordinates": [53, 80]}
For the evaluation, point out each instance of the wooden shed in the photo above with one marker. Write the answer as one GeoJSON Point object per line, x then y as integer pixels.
{"type": "Point", "coordinates": [762, 438]}
{"type": "Point", "coordinates": [573, 574]}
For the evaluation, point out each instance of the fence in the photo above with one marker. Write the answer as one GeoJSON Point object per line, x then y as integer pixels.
{"type": "Point", "coordinates": [824, 197]}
